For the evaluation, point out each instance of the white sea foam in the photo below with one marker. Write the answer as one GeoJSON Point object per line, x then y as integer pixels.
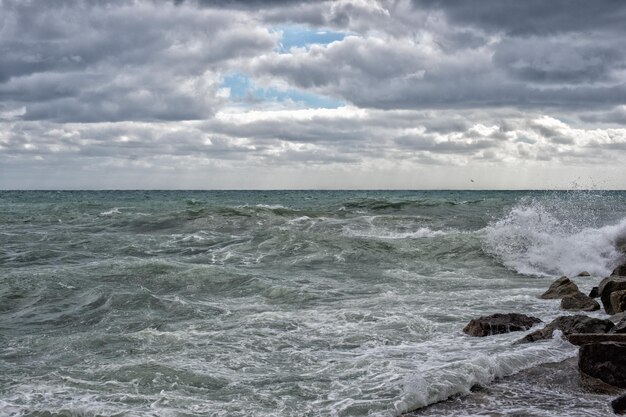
{"type": "Point", "coordinates": [381, 233]}
{"type": "Point", "coordinates": [376, 227]}
{"type": "Point", "coordinates": [114, 210]}
{"type": "Point", "coordinates": [534, 240]}
{"type": "Point", "coordinates": [271, 206]}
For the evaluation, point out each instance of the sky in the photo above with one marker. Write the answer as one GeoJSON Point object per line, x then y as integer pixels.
{"type": "Point", "coordinates": [289, 94]}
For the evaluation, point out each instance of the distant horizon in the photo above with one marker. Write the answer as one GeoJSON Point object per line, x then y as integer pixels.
{"type": "Point", "coordinates": [319, 189]}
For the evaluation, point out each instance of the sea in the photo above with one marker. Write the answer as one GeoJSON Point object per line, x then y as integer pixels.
{"type": "Point", "coordinates": [289, 303]}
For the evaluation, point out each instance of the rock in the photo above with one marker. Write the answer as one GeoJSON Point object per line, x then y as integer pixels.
{"type": "Point", "coordinates": [620, 327]}
{"type": "Point", "coordinates": [500, 323]}
{"type": "Point", "coordinates": [617, 317]}
{"type": "Point", "coordinates": [560, 288]}
{"type": "Point", "coordinates": [619, 405]}
{"type": "Point", "coordinates": [580, 339]}
{"type": "Point", "coordinates": [618, 301]}
{"type": "Point", "coordinates": [608, 286]}
{"type": "Point", "coordinates": [579, 301]}
{"type": "Point", "coordinates": [584, 274]}
{"type": "Point", "coordinates": [597, 386]}
{"type": "Point", "coordinates": [619, 271]}
{"type": "Point", "coordinates": [605, 361]}
{"type": "Point", "coordinates": [594, 293]}
{"type": "Point", "coordinates": [568, 325]}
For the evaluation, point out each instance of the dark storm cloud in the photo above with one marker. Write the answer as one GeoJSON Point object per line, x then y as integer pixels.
{"type": "Point", "coordinates": [532, 17]}
{"type": "Point", "coordinates": [373, 73]}
{"type": "Point", "coordinates": [121, 60]}
{"type": "Point", "coordinates": [616, 116]}
{"type": "Point", "coordinates": [536, 54]}
{"type": "Point", "coordinates": [569, 61]}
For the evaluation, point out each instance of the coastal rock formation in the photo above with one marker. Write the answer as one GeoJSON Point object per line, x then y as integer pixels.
{"type": "Point", "coordinates": [619, 271]}
{"type": "Point", "coordinates": [499, 323]}
{"type": "Point", "coordinates": [620, 327]}
{"type": "Point", "coordinates": [560, 288]}
{"type": "Point", "coordinates": [568, 325]}
{"type": "Point", "coordinates": [605, 361]}
{"type": "Point", "coordinates": [584, 274]}
{"type": "Point", "coordinates": [594, 293]}
{"type": "Point", "coordinates": [606, 288]}
{"type": "Point", "coordinates": [618, 301]}
{"type": "Point", "coordinates": [579, 302]}
{"type": "Point", "coordinates": [619, 405]}
{"type": "Point", "coordinates": [580, 339]}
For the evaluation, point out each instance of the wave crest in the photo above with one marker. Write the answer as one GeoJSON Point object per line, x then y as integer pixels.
{"type": "Point", "coordinates": [537, 238]}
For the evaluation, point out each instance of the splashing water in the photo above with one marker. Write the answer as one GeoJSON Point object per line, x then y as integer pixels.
{"type": "Point", "coordinates": [557, 237]}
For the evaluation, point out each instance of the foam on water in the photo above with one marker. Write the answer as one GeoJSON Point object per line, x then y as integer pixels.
{"type": "Point", "coordinates": [114, 210]}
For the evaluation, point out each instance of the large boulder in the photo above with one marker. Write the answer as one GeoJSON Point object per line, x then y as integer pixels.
{"type": "Point", "coordinates": [584, 274]}
{"type": "Point", "coordinates": [619, 271]}
{"type": "Point", "coordinates": [618, 301]}
{"type": "Point", "coordinates": [580, 339]}
{"type": "Point", "coordinates": [568, 325]}
{"type": "Point", "coordinates": [619, 405]}
{"type": "Point", "coordinates": [579, 302]}
{"type": "Point", "coordinates": [560, 288]}
{"type": "Point", "coordinates": [608, 286]}
{"type": "Point", "coordinates": [500, 323]}
{"type": "Point", "coordinates": [604, 361]}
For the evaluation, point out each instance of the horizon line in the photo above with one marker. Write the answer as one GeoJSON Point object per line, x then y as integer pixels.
{"type": "Point", "coordinates": [303, 189]}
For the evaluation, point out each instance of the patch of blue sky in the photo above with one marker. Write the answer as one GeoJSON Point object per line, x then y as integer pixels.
{"type": "Point", "coordinates": [301, 37]}
{"type": "Point", "coordinates": [243, 91]}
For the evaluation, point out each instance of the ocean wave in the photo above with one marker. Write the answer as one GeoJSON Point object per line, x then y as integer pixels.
{"type": "Point", "coordinates": [445, 380]}
{"type": "Point", "coordinates": [537, 239]}
{"type": "Point", "coordinates": [114, 210]}
{"type": "Point", "coordinates": [384, 204]}
{"type": "Point", "coordinates": [380, 233]}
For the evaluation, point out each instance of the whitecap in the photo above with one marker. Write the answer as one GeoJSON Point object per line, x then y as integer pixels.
{"type": "Point", "coordinates": [111, 212]}
{"type": "Point", "coordinates": [532, 239]}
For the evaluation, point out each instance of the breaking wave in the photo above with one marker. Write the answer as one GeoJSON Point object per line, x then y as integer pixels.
{"type": "Point", "coordinates": [544, 238]}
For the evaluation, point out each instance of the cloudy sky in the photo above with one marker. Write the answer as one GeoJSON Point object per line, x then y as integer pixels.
{"type": "Point", "coordinates": [215, 94]}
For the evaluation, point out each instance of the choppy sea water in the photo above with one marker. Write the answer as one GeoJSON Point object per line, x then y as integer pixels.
{"type": "Point", "coordinates": [282, 303]}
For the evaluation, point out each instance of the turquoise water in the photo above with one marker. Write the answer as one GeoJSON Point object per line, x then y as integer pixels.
{"type": "Point", "coordinates": [279, 303]}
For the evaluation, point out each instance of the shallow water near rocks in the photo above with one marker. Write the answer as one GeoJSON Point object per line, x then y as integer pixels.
{"type": "Point", "coordinates": [551, 389]}
{"type": "Point", "coordinates": [291, 303]}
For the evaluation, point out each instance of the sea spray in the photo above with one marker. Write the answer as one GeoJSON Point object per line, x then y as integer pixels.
{"type": "Point", "coordinates": [559, 236]}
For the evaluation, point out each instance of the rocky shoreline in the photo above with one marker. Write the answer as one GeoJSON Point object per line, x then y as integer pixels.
{"type": "Point", "coordinates": [601, 364]}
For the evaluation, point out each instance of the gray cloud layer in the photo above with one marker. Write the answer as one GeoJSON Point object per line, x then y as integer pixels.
{"type": "Point", "coordinates": [138, 87]}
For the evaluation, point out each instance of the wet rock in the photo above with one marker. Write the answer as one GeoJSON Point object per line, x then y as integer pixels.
{"type": "Point", "coordinates": [605, 361]}
{"type": "Point", "coordinates": [584, 274]}
{"type": "Point", "coordinates": [620, 327]}
{"type": "Point", "coordinates": [595, 385]}
{"type": "Point", "coordinates": [619, 271]}
{"type": "Point", "coordinates": [618, 301]}
{"type": "Point", "coordinates": [608, 286]}
{"type": "Point", "coordinates": [619, 405]}
{"type": "Point", "coordinates": [569, 325]}
{"type": "Point", "coordinates": [499, 323]}
{"type": "Point", "coordinates": [579, 302]}
{"type": "Point", "coordinates": [560, 288]}
{"type": "Point", "coordinates": [580, 339]}
{"type": "Point", "coordinates": [594, 293]}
